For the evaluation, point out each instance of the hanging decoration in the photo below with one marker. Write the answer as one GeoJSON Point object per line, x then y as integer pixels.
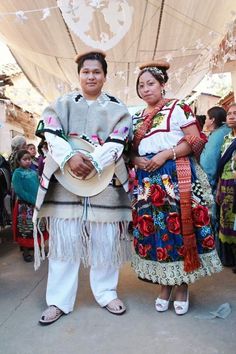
{"type": "Point", "coordinates": [116, 15]}
{"type": "Point", "coordinates": [46, 13]}
{"type": "Point", "coordinates": [226, 51]}
{"type": "Point", "coordinates": [21, 17]}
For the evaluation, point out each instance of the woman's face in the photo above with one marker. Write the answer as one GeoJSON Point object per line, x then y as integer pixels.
{"type": "Point", "coordinates": [25, 161]}
{"type": "Point", "coordinates": [149, 89]}
{"type": "Point", "coordinates": [32, 150]}
{"type": "Point", "coordinates": [91, 78]}
{"type": "Point", "coordinates": [231, 117]}
{"type": "Point", "coordinates": [209, 124]}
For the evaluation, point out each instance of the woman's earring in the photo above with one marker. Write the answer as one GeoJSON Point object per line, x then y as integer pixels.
{"type": "Point", "coordinates": [163, 92]}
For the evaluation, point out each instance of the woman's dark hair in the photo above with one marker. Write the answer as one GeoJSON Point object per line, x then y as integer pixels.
{"type": "Point", "coordinates": [19, 156]}
{"type": "Point", "coordinates": [160, 77]}
{"type": "Point", "coordinates": [93, 56]}
{"type": "Point", "coordinates": [201, 119]}
{"type": "Point", "coordinates": [219, 114]}
{"type": "Point", "coordinates": [30, 144]}
{"type": "Point", "coordinates": [40, 146]}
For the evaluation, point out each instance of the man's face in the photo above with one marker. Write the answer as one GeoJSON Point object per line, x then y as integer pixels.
{"type": "Point", "coordinates": [92, 79]}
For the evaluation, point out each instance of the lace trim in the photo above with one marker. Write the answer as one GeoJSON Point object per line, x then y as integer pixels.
{"type": "Point", "coordinates": [173, 273]}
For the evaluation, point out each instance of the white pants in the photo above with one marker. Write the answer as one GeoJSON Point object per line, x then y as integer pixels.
{"type": "Point", "coordinates": [63, 279]}
{"type": "Point", "coordinates": [63, 284]}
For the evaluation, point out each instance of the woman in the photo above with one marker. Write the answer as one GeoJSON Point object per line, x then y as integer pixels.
{"type": "Point", "coordinates": [17, 143]}
{"type": "Point", "coordinates": [25, 184]}
{"type": "Point", "coordinates": [216, 129]}
{"type": "Point", "coordinates": [34, 159]}
{"type": "Point", "coordinates": [91, 230]}
{"type": "Point", "coordinates": [173, 238]}
{"type": "Point", "coordinates": [226, 191]}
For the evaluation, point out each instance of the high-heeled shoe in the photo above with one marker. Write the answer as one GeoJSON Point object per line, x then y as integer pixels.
{"type": "Point", "coordinates": [181, 307]}
{"type": "Point", "coordinates": [161, 304]}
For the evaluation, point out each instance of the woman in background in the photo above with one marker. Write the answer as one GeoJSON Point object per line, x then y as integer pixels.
{"type": "Point", "coordinates": [25, 183]}
{"type": "Point", "coordinates": [17, 143]}
{"type": "Point", "coordinates": [216, 129]}
{"type": "Point", "coordinates": [226, 191]}
{"type": "Point", "coordinates": [34, 159]}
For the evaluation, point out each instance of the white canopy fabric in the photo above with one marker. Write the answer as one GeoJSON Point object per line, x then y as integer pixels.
{"type": "Point", "coordinates": [45, 35]}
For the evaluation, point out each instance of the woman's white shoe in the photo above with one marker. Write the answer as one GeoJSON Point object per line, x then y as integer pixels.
{"type": "Point", "coordinates": [161, 304]}
{"type": "Point", "coordinates": [181, 307]}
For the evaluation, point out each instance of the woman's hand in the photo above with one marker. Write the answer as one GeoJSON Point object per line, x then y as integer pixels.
{"type": "Point", "coordinates": [157, 161]}
{"type": "Point", "coordinates": [80, 165]}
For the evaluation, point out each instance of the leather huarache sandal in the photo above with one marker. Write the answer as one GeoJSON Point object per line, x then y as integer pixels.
{"type": "Point", "coordinates": [116, 307]}
{"type": "Point", "coordinates": [50, 315]}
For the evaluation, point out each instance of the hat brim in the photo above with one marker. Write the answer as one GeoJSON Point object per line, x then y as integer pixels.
{"type": "Point", "coordinates": [160, 64]}
{"type": "Point", "coordinates": [94, 183]}
{"type": "Point", "coordinates": [84, 54]}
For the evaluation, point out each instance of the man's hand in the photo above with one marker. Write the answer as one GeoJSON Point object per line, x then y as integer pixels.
{"type": "Point", "coordinates": [80, 165]}
{"type": "Point", "coordinates": [140, 162]}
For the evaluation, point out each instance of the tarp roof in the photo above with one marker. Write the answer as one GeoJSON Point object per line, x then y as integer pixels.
{"type": "Point", "coordinates": [45, 35]}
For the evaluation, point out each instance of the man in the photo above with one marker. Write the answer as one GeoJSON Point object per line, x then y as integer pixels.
{"type": "Point", "coordinates": [93, 229]}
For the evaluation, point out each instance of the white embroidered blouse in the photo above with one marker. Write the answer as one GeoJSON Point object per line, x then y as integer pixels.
{"type": "Point", "coordinates": [166, 129]}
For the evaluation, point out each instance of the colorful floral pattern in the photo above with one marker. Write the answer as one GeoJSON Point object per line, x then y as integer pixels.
{"type": "Point", "coordinates": [156, 217]}
{"type": "Point", "coordinates": [186, 108]}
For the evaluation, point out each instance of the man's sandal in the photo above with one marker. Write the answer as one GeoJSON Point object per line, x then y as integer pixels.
{"type": "Point", "coordinates": [50, 315]}
{"type": "Point", "coordinates": [116, 307]}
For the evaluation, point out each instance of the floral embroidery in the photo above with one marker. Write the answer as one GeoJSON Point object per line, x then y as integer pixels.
{"type": "Point", "coordinates": [186, 108]}
{"type": "Point", "coordinates": [143, 250]}
{"type": "Point", "coordinates": [200, 216]}
{"type": "Point", "coordinates": [162, 254]}
{"type": "Point", "coordinates": [208, 242]}
{"type": "Point", "coordinates": [173, 223]}
{"type": "Point", "coordinates": [165, 237]}
{"type": "Point", "coordinates": [146, 225]}
{"type": "Point", "coordinates": [157, 120]}
{"type": "Point", "coordinates": [157, 195]}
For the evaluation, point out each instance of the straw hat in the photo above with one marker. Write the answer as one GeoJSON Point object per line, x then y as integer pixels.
{"type": "Point", "coordinates": [94, 183]}
{"type": "Point", "coordinates": [95, 51]}
{"type": "Point", "coordinates": [160, 64]}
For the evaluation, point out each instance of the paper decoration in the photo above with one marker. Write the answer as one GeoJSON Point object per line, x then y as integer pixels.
{"type": "Point", "coordinates": [116, 14]}
{"type": "Point", "coordinates": [21, 17]}
{"type": "Point", "coordinates": [46, 14]}
{"type": "Point", "coordinates": [226, 51]}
